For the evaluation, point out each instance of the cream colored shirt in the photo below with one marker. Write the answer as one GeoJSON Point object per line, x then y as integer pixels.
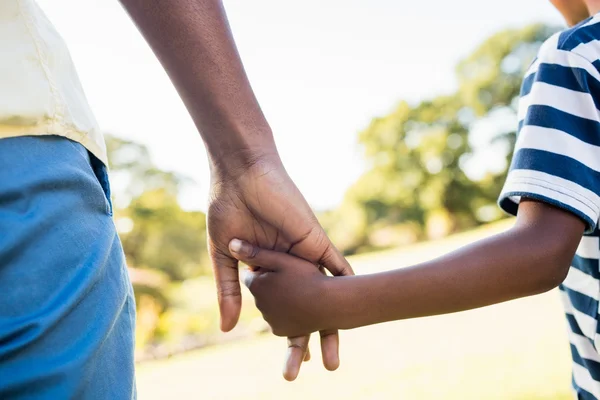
{"type": "Point", "coordinates": [40, 92]}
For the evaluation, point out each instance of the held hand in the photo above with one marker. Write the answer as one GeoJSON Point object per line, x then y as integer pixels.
{"type": "Point", "coordinates": [290, 292]}
{"type": "Point", "coordinates": [260, 204]}
{"type": "Point", "coordinates": [252, 198]}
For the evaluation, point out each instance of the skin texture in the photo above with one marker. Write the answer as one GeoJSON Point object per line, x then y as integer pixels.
{"type": "Point", "coordinates": [575, 11]}
{"type": "Point", "coordinates": [532, 257]}
{"type": "Point", "coordinates": [252, 196]}
{"type": "Point", "coordinates": [593, 6]}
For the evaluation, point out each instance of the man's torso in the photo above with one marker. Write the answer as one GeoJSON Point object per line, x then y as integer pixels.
{"type": "Point", "coordinates": [40, 93]}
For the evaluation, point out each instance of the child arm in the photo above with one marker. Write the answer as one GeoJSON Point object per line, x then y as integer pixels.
{"type": "Point", "coordinates": [530, 258]}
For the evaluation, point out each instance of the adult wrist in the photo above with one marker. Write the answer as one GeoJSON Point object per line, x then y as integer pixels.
{"type": "Point", "coordinates": [232, 158]}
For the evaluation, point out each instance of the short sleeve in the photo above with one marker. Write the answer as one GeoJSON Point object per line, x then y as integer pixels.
{"type": "Point", "coordinates": [557, 154]}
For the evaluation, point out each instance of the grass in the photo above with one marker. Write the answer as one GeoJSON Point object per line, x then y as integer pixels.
{"type": "Point", "coordinates": [516, 350]}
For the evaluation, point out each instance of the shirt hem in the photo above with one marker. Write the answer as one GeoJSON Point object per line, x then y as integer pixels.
{"type": "Point", "coordinates": [527, 188]}
{"type": "Point", "coordinates": [72, 134]}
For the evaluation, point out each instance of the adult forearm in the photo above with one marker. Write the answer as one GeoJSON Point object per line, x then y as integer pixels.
{"type": "Point", "coordinates": [192, 40]}
{"type": "Point", "coordinates": [501, 268]}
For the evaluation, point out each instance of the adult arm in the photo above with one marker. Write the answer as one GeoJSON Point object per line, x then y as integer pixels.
{"type": "Point", "coordinates": [252, 197]}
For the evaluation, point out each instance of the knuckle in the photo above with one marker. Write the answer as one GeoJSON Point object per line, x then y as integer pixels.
{"type": "Point", "coordinates": [279, 332]}
{"type": "Point", "coordinates": [345, 271]}
{"type": "Point", "coordinates": [253, 251]}
{"type": "Point", "coordinates": [215, 207]}
{"type": "Point", "coordinates": [228, 291]}
{"type": "Point", "coordinates": [335, 263]}
{"type": "Point", "coordinates": [295, 345]}
{"type": "Point", "coordinates": [326, 333]}
{"type": "Point", "coordinates": [322, 240]}
{"type": "Point", "coordinates": [216, 253]}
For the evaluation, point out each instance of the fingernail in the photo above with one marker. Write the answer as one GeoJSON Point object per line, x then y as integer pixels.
{"type": "Point", "coordinates": [235, 245]}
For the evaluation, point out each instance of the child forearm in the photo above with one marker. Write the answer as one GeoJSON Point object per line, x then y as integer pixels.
{"type": "Point", "coordinates": [524, 261]}
{"type": "Point", "coordinates": [532, 257]}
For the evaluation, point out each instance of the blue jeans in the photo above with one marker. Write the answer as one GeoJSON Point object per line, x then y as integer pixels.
{"type": "Point", "coordinates": [67, 311]}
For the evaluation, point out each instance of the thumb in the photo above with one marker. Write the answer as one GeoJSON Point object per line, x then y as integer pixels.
{"type": "Point", "coordinates": [254, 256]}
{"type": "Point", "coordinates": [335, 262]}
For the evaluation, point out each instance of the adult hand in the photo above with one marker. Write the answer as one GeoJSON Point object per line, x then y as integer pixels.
{"type": "Point", "coordinates": [255, 201]}
{"type": "Point", "coordinates": [289, 291]}
{"type": "Point", "coordinates": [259, 203]}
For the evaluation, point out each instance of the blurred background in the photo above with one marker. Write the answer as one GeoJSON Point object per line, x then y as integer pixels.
{"type": "Point", "coordinates": [396, 120]}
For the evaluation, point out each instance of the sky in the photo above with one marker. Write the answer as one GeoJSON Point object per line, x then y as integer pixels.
{"type": "Point", "coordinates": [321, 69]}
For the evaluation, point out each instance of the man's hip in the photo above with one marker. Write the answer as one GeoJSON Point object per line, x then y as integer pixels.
{"type": "Point", "coordinates": [67, 312]}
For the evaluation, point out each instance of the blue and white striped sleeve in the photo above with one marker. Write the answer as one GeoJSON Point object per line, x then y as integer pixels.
{"type": "Point", "coordinates": [557, 153]}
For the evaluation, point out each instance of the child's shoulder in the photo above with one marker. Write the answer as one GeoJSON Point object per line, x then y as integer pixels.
{"type": "Point", "coordinates": [580, 39]}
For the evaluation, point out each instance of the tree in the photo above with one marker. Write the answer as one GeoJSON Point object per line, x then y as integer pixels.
{"type": "Point", "coordinates": [417, 185]}
{"type": "Point", "coordinates": [164, 237]}
{"type": "Point", "coordinates": [156, 233]}
{"type": "Point", "coordinates": [133, 171]}
{"type": "Point", "coordinates": [164, 245]}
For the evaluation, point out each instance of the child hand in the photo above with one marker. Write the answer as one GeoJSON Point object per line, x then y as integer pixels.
{"type": "Point", "coordinates": [289, 291]}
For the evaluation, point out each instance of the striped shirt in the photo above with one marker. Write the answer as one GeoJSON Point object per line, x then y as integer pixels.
{"type": "Point", "coordinates": [557, 160]}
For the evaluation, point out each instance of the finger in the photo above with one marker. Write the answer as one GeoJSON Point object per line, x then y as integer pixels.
{"type": "Point", "coordinates": [307, 356]}
{"type": "Point", "coordinates": [335, 262]}
{"type": "Point", "coordinates": [330, 343]}
{"type": "Point", "coordinates": [267, 259]}
{"type": "Point", "coordinates": [297, 348]}
{"type": "Point", "coordinates": [228, 289]}
{"type": "Point", "coordinates": [318, 249]}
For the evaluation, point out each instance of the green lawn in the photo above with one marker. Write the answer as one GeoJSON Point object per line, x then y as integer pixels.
{"type": "Point", "coordinates": [517, 350]}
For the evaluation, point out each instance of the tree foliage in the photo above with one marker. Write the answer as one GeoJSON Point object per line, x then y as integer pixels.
{"type": "Point", "coordinates": [164, 245]}
{"type": "Point", "coordinates": [157, 234]}
{"type": "Point", "coordinates": [417, 184]}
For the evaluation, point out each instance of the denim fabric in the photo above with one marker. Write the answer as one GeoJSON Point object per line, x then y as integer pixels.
{"type": "Point", "coordinates": [67, 311]}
